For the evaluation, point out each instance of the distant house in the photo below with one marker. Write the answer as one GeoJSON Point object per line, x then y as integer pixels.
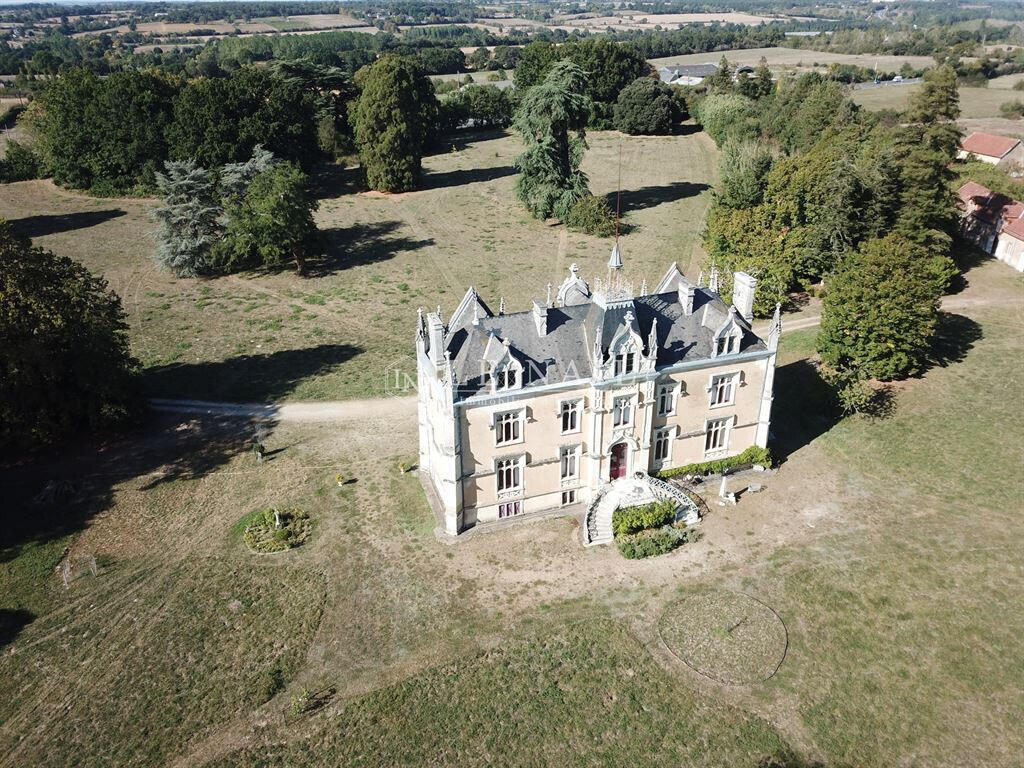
{"type": "Point", "coordinates": [693, 74]}
{"type": "Point", "coordinates": [995, 223]}
{"type": "Point", "coordinates": [1001, 151]}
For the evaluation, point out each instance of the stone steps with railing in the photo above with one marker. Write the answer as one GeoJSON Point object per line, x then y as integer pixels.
{"type": "Point", "coordinates": [598, 528]}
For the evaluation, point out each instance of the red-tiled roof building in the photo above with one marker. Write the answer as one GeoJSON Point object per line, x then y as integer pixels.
{"type": "Point", "coordinates": [1001, 151]}
{"type": "Point", "coordinates": [995, 223]}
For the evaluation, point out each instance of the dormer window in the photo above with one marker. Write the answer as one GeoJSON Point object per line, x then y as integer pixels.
{"type": "Point", "coordinates": [727, 345]}
{"type": "Point", "coordinates": [505, 379]}
{"type": "Point", "coordinates": [625, 361]}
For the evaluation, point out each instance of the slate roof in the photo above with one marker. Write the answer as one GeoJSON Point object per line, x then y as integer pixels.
{"type": "Point", "coordinates": [564, 352]}
{"type": "Point", "coordinates": [668, 74]}
{"type": "Point", "coordinates": [989, 144]}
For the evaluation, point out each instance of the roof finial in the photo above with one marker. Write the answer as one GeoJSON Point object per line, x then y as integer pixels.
{"type": "Point", "coordinates": [476, 314]}
{"type": "Point", "coordinates": [700, 279]}
{"type": "Point", "coordinates": [501, 306]}
{"type": "Point", "coordinates": [549, 294]}
{"type": "Point", "coordinates": [615, 261]}
{"type": "Point", "coordinates": [643, 287]}
{"type": "Point", "coordinates": [713, 280]}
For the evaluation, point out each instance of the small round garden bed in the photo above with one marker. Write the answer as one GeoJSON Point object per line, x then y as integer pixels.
{"type": "Point", "coordinates": [276, 530]}
{"type": "Point", "coordinates": [728, 636]}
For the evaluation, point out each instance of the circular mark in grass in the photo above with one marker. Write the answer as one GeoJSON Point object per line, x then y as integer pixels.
{"type": "Point", "coordinates": [728, 636]}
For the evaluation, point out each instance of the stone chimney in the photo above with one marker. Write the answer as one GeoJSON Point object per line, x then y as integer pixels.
{"type": "Point", "coordinates": [540, 318]}
{"type": "Point", "coordinates": [435, 337]}
{"type": "Point", "coordinates": [687, 292]}
{"type": "Point", "coordinates": [743, 286]}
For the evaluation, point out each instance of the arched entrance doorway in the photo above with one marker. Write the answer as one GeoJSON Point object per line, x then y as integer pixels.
{"type": "Point", "coordinates": [617, 465]}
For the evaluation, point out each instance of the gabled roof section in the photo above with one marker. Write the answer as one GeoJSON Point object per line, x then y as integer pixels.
{"type": "Point", "coordinates": [463, 314]}
{"type": "Point", "coordinates": [989, 144]}
{"type": "Point", "coordinates": [670, 282]}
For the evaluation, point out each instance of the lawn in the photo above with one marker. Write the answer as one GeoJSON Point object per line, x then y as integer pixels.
{"type": "Point", "coordinates": [795, 58]}
{"type": "Point", "coordinates": [975, 103]}
{"type": "Point", "coordinates": [332, 335]}
{"type": "Point", "coordinates": [889, 549]}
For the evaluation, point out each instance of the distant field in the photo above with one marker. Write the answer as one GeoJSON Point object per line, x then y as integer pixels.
{"type": "Point", "coordinates": [387, 256]}
{"type": "Point", "coordinates": [974, 102]}
{"type": "Point", "coordinates": [785, 58]}
{"type": "Point", "coordinates": [1006, 82]}
{"type": "Point", "coordinates": [998, 125]}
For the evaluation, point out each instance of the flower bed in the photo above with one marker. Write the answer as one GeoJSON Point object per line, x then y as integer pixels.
{"type": "Point", "coordinates": [648, 530]}
{"type": "Point", "coordinates": [753, 455]}
{"type": "Point", "coordinates": [275, 530]}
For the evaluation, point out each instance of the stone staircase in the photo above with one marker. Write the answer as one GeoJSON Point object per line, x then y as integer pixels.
{"type": "Point", "coordinates": [639, 489]}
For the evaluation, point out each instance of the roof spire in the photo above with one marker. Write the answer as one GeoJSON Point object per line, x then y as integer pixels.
{"type": "Point", "coordinates": [615, 262]}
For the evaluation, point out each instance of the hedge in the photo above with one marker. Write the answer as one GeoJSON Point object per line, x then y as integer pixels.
{"type": "Point", "coordinates": [753, 455]}
{"type": "Point", "coordinates": [626, 520]}
{"type": "Point", "coordinates": [656, 541]}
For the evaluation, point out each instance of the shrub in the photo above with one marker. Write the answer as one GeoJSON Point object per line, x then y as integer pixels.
{"type": "Point", "coordinates": [1012, 110]}
{"type": "Point", "coordinates": [263, 534]}
{"type": "Point", "coordinates": [647, 107]}
{"type": "Point", "coordinates": [591, 215]}
{"type": "Point", "coordinates": [753, 455]}
{"type": "Point", "coordinates": [657, 541]}
{"type": "Point", "coordinates": [21, 163]}
{"type": "Point", "coordinates": [729, 115]}
{"type": "Point", "coordinates": [268, 683]}
{"type": "Point", "coordinates": [628, 520]}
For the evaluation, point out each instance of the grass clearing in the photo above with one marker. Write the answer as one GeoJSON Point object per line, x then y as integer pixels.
{"type": "Point", "coordinates": [889, 548]}
{"type": "Point", "coordinates": [796, 59]}
{"type": "Point", "coordinates": [975, 103]}
{"type": "Point", "coordinates": [388, 255]}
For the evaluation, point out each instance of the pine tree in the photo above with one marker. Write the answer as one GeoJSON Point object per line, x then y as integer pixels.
{"type": "Point", "coordinates": [552, 119]}
{"type": "Point", "coordinates": [189, 218]}
{"type": "Point", "coordinates": [393, 118]}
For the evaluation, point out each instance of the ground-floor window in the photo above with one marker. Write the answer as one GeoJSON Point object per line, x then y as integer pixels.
{"type": "Point", "coordinates": [510, 509]}
{"type": "Point", "coordinates": [717, 436]}
{"type": "Point", "coordinates": [568, 497]}
{"type": "Point", "coordinates": [662, 444]}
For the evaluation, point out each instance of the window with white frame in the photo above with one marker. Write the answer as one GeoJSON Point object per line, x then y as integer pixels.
{"type": "Point", "coordinates": [508, 427]}
{"type": "Point", "coordinates": [625, 360]}
{"type": "Point", "coordinates": [569, 497]}
{"type": "Point", "coordinates": [663, 445]}
{"type": "Point", "coordinates": [727, 345]}
{"type": "Point", "coordinates": [505, 378]}
{"type": "Point", "coordinates": [570, 416]}
{"type": "Point", "coordinates": [509, 473]}
{"type": "Point", "coordinates": [666, 399]}
{"type": "Point", "coordinates": [622, 411]}
{"type": "Point", "coordinates": [510, 509]}
{"type": "Point", "coordinates": [569, 457]}
{"type": "Point", "coordinates": [723, 389]}
{"type": "Point", "coordinates": [716, 438]}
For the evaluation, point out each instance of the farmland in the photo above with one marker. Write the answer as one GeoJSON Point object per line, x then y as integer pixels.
{"type": "Point", "coordinates": [387, 255]}
{"type": "Point", "coordinates": [975, 103]}
{"type": "Point", "coordinates": [888, 547]}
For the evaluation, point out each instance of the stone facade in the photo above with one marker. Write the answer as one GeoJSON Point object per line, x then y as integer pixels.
{"type": "Point", "coordinates": [534, 411]}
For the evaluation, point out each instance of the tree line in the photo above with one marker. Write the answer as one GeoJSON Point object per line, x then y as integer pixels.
{"type": "Point", "coordinates": [815, 189]}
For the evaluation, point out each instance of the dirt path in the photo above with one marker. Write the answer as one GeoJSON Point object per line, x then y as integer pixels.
{"type": "Point", "coordinates": [337, 410]}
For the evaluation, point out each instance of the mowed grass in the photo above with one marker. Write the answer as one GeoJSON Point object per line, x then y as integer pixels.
{"type": "Point", "coordinates": [333, 335]}
{"type": "Point", "coordinates": [586, 695]}
{"type": "Point", "coordinates": [796, 59]}
{"type": "Point", "coordinates": [890, 549]}
{"type": "Point", "coordinates": [975, 103]}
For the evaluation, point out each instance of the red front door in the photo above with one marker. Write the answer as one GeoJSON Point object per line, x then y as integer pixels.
{"type": "Point", "coordinates": [618, 462]}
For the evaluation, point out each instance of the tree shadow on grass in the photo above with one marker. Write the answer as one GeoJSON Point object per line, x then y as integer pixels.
{"type": "Point", "coordinates": [804, 408]}
{"type": "Point", "coordinates": [253, 378]}
{"type": "Point", "coordinates": [12, 621]}
{"type": "Point", "coordinates": [966, 255]}
{"type": "Point", "coordinates": [160, 449]}
{"type": "Point", "coordinates": [649, 197]}
{"type": "Point", "coordinates": [461, 140]}
{"type": "Point", "coordinates": [467, 176]}
{"type": "Point", "coordinates": [360, 244]}
{"type": "Point", "coordinates": [955, 336]}
{"type": "Point", "coordinates": [38, 226]}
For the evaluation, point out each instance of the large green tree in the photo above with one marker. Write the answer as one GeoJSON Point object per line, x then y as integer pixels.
{"type": "Point", "coordinates": [880, 311]}
{"type": "Point", "coordinates": [65, 364]}
{"type": "Point", "coordinates": [648, 107]}
{"type": "Point", "coordinates": [218, 121]}
{"type": "Point", "coordinates": [105, 134]}
{"type": "Point", "coordinates": [609, 67]}
{"type": "Point", "coordinates": [552, 119]}
{"type": "Point", "coordinates": [393, 119]}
